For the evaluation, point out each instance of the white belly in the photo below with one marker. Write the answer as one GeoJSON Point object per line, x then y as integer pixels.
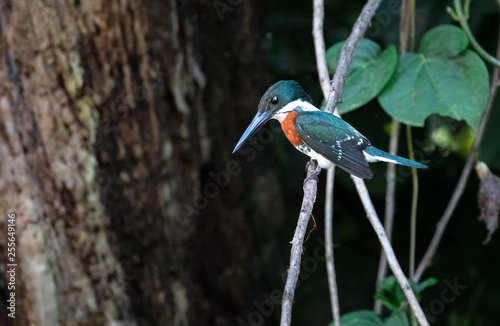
{"type": "Point", "coordinates": [323, 162]}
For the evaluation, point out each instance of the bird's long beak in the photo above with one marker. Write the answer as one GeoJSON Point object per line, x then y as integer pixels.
{"type": "Point", "coordinates": [258, 121]}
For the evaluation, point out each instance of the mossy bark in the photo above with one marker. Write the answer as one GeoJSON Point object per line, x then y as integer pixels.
{"type": "Point", "coordinates": [113, 116]}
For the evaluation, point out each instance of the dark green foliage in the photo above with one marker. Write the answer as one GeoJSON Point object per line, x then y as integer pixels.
{"type": "Point", "coordinates": [369, 318]}
{"type": "Point", "coordinates": [290, 55]}
{"type": "Point", "coordinates": [369, 72]}
{"type": "Point", "coordinates": [444, 77]}
{"type": "Point", "coordinates": [392, 296]}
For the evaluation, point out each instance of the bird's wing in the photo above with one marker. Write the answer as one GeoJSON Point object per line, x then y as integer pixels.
{"type": "Point", "coordinates": [334, 139]}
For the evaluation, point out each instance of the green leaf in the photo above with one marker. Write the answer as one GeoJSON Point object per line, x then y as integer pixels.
{"type": "Point", "coordinates": [444, 40]}
{"type": "Point", "coordinates": [366, 50]}
{"type": "Point", "coordinates": [444, 78]}
{"type": "Point", "coordinates": [370, 318]}
{"type": "Point", "coordinates": [361, 318]}
{"type": "Point", "coordinates": [370, 70]}
{"type": "Point", "coordinates": [419, 287]}
{"type": "Point", "coordinates": [391, 294]}
{"type": "Point", "coordinates": [397, 318]}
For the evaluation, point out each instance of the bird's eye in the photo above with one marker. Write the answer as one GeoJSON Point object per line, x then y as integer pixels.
{"type": "Point", "coordinates": [275, 100]}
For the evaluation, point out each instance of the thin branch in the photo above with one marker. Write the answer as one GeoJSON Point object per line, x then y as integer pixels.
{"type": "Point", "coordinates": [459, 189]}
{"type": "Point", "coordinates": [345, 59]}
{"type": "Point", "coordinates": [319, 46]}
{"type": "Point", "coordinates": [404, 28]}
{"type": "Point", "coordinates": [347, 53]}
{"type": "Point", "coordinates": [330, 265]}
{"type": "Point", "coordinates": [391, 257]}
{"type": "Point", "coordinates": [414, 202]}
{"type": "Point", "coordinates": [324, 79]}
{"type": "Point", "coordinates": [390, 203]}
{"type": "Point", "coordinates": [411, 14]}
{"type": "Point", "coordinates": [310, 188]}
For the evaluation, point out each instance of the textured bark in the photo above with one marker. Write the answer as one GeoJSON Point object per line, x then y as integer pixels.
{"type": "Point", "coordinates": [113, 119]}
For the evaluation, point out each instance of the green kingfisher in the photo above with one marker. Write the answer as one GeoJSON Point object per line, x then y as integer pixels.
{"type": "Point", "coordinates": [324, 137]}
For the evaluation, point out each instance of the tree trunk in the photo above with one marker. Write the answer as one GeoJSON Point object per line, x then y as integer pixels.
{"type": "Point", "coordinates": [117, 121]}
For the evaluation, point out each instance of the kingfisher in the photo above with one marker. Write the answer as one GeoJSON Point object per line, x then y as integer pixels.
{"type": "Point", "coordinates": [322, 136]}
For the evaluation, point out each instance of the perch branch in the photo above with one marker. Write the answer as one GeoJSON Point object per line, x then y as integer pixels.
{"type": "Point", "coordinates": [324, 79]}
{"type": "Point", "coordinates": [459, 189]}
{"type": "Point", "coordinates": [329, 258]}
{"type": "Point", "coordinates": [389, 252]}
{"type": "Point", "coordinates": [310, 187]}
{"type": "Point", "coordinates": [346, 57]}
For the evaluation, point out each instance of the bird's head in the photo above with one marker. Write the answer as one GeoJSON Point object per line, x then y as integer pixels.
{"type": "Point", "coordinates": [274, 99]}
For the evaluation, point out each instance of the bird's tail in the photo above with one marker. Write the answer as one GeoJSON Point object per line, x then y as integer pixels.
{"type": "Point", "coordinates": [374, 154]}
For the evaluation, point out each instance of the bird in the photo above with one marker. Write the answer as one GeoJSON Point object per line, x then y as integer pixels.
{"type": "Point", "coordinates": [324, 137]}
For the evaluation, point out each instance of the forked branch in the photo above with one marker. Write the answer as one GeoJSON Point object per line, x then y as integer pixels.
{"type": "Point", "coordinates": [310, 186]}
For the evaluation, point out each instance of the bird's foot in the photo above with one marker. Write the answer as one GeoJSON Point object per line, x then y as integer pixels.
{"type": "Point", "coordinates": [315, 173]}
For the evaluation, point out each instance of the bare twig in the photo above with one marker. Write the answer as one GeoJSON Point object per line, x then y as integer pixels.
{"type": "Point", "coordinates": [391, 257]}
{"type": "Point", "coordinates": [330, 266]}
{"type": "Point", "coordinates": [346, 57]}
{"type": "Point", "coordinates": [324, 79]}
{"type": "Point", "coordinates": [404, 27]}
{"type": "Point", "coordinates": [408, 31]}
{"type": "Point", "coordinates": [414, 201]}
{"type": "Point", "coordinates": [390, 203]}
{"type": "Point", "coordinates": [459, 189]}
{"type": "Point", "coordinates": [310, 188]}
{"type": "Point", "coordinates": [319, 46]}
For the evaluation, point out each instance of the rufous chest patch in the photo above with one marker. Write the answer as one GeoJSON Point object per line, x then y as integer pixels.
{"type": "Point", "coordinates": [289, 130]}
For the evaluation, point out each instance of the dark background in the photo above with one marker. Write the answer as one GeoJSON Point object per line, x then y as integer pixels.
{"type": "Point", "coordinates": [290, 55]}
